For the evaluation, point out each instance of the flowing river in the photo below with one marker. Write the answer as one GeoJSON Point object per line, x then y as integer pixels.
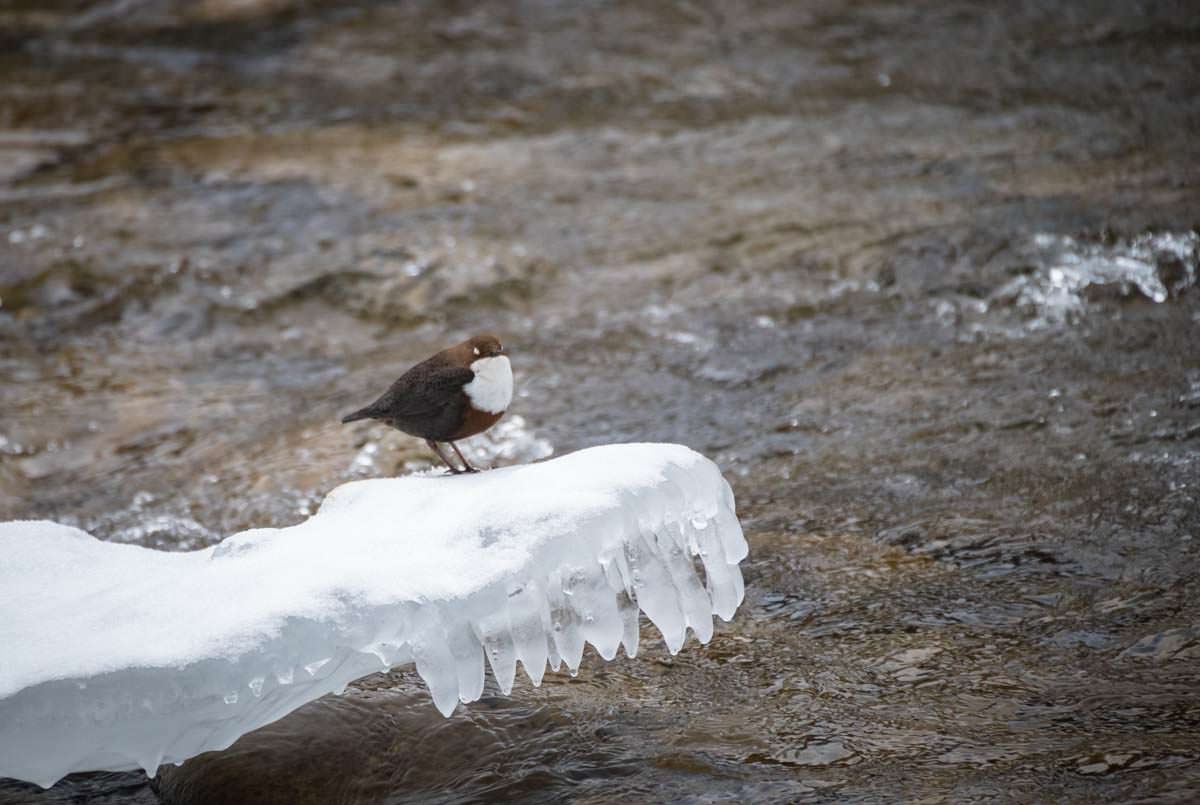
{"type": "Point", "coordinates": [920, 277]}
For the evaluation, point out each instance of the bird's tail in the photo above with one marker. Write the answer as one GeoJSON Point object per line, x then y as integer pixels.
{"type": "Point", "coordinates": [361, 413]}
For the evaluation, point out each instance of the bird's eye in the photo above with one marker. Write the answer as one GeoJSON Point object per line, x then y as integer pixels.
{"type": "Point", "coordinates": [476, 350]}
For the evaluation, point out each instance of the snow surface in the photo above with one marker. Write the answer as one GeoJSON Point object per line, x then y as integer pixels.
{"type": "Point", "coordinates": [116, 656]}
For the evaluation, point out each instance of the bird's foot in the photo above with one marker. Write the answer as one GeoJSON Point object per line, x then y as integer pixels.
{"type": "Point", "coordinates": [466, 464]}
{"type": "Point", "coordinates": [435, 447]}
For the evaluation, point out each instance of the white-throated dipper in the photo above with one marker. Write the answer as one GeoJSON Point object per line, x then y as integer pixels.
{"type": "Point", "coordinates": [459, 392]}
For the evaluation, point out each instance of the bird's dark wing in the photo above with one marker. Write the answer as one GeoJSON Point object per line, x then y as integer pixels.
{"type": "Point", "coordinates": [420, 392]}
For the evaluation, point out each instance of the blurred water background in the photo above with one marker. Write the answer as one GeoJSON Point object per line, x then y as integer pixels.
{"type": "Point", "coordinates": [921, 277]}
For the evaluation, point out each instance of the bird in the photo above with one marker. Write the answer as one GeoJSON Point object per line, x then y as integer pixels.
{"type": "Point", "coordinates": [459, 392]}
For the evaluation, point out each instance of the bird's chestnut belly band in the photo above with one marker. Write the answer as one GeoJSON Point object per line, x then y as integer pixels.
{"type": "Point", "coordinates": [475, 421]}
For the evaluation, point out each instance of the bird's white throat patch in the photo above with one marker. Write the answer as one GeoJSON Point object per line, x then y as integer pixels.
{"type": "Point", "coordinates": [492, 388]}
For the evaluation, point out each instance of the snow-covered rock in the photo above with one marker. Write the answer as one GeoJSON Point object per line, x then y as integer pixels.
{"type": "Point", "coordinates": [116, 657]}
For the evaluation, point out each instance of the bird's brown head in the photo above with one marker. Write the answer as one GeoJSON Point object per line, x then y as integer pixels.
{"type": "Point", "coordinates": [484, 346]}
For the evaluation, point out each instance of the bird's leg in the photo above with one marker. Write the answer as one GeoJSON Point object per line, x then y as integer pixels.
{"type": "Point", "coordinates": [437, 448]}
{"type": "Point", "coordinates": [466, 463]}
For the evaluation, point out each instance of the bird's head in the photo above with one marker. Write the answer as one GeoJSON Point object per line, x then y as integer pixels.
{"type": "Point", "coordinates": [485, 346]}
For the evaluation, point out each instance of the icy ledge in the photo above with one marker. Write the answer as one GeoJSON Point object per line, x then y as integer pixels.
{"type": "Point", "coordinates": [117, 657]}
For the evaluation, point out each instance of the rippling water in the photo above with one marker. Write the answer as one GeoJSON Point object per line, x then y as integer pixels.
{"type": "Point", "coordinates": [920, 277]}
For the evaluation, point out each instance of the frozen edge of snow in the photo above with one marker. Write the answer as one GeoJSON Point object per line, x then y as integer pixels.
{"type": "Point", "coordinates": [586, 586]}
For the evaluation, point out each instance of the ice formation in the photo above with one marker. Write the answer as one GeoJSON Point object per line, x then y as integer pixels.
{"type": "Point", "coordinates": [117, 656]}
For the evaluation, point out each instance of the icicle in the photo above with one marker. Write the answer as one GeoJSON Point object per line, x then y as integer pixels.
{"type": "Point", "coordinates": [435, 663]}
{"type": "Point", "coordinates": [468, 662]}
{"type": "Point", "coordinates": [655, 593]}
{"type": "Point", "coordinates": [493, 631]}
{"type": "Point", "coordinates": [564, 623]}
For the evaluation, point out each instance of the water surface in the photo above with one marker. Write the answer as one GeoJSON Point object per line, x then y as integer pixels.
{"type": "Point", "coordinates": [920, 277]}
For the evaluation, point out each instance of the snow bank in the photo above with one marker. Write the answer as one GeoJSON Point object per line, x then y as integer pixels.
{"type": "Point", "coordinates": [117, 657]}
